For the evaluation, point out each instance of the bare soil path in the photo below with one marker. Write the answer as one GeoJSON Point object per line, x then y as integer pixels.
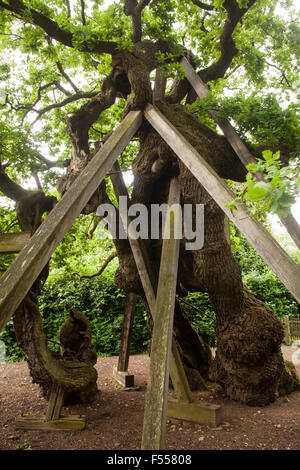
{"type": "Point", "coordinates": [115, 419]}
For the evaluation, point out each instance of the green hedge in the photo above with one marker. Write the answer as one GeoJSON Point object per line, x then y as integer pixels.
{"type": "Point", "coordinates": [103, 304]}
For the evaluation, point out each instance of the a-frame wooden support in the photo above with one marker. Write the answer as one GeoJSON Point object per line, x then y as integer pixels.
{"type": "Point", "coordinates": [183, 407]}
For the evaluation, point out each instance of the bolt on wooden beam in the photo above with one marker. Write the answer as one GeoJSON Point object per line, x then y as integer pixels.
{"type": "Point", "coordinates": [21, 274]}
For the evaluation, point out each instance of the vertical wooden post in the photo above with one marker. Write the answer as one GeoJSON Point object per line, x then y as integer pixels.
{"type": "Point", "coordinates": [159, 86]}
{"type": "Point", "coordinates": [55, 402]}
{"type": "Point", "coordinates": [126, 331]}
{"type": "Point", "coordinates": [157, 390]}
{"type": "Point", "coordinates": [287, 332]}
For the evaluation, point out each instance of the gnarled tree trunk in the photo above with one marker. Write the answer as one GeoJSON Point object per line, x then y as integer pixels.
{"type": "Point", "coordinates": [77, 377]}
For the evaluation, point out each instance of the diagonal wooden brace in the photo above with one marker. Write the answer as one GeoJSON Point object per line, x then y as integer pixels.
{"type": "Point", "coordinates": [22, 273]}
{"type": "Point", "coordinates": [265, 245]}
{"type": "Point", "coordinates": [237, 144]}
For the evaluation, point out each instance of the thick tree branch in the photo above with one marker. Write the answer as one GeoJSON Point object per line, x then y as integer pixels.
{"type": "Point", "coordinates": [54, 30]}
{"type": "Point", "coordinates": [227, 44]}
{"type": "Point", "coordinates": [11, 189]}
{"type": "Point", "coordinates": [100, 271]}
{"type": "Point", "coordinates": [61, 104]}
{"type": "Point", "coordinates": [181, 88]}
{"type": "Point", "coordinates": [202, 5]}
{"type": "Point", "coordinates": [142, 4]}
{"type": "Point", "coordinates": [38, 181]}
{"type": "Point", "coordinates": [134, 9]}
{"type": "Point", "coordinates": [79, 123]}
{"type": "Point", "coordinates": [68, 8]}
{"type": "Point", "coordinates": [52, 164]}
{"type": "Point", "coordinates": [82, 4]}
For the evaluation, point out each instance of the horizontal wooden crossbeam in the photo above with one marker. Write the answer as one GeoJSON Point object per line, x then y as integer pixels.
{"type": "Point", "coordinates": [21, 274]}
{"type": "Point", "coordinates": [65, 423]}
{"type": "Point", "coordinates": [205, 413]}
{"type": "Point", "coordinates": [13, 242]}
{"type": "Point", "coordinates": [265, 245]}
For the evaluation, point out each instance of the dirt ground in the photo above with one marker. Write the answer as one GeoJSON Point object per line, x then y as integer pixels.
{"type": "Point", "coordinates": [115, 419]}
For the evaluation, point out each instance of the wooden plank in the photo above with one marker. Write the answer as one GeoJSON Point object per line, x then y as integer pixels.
{"type": "Point", "coordinates": [272, 253]}
{"type": "Point", "coordinates": [178, 376]}
{"type": "Point", "coordinates": [287, 332]}
{"type": "Point", "coordinates": [65, 423]}
{"type": "Point", "coordinates": [55, 402]}
{"type": "Point", "coordinates": [13, 242]}
{"type": "Point", "coordinates": [159, 86]}
{"type": "Point", "coordinates": [129, 311]}
{"type": "Point", "coordinates": [20, 276]}
{"type": "Point", "coordinates": [289, 222]}
{"type": "Point", "coordinates": [157, 390]}
{"type": "Point", "coordinates": [202, 413]}
{"type": "Point", "coordinates": [149, 283]}
{"type": "Point", "coordinates": [292, 226]}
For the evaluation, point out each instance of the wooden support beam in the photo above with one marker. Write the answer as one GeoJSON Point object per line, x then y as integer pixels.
{"type": "Point", "coordinates": [126, 331]}
{"type": "Point", "coordinates": [202, 91]}
{"type": "Point", "coordinates": [205, 413]}
{"type": "Point", "coordinates": [158, 383]}
{"type": "Point", "coordinates": [287, 331]}
{"type": "Point", "coordinates": [55, 402]}
{"type": "Point", "coordinates": [242, 151]}
{"type": "Point", "coordinates": [276, 258]}
{"type": "Point", "coordinates": [20, 276]}
{"type": "Point", "coordinates": [53, 420]}
{"type": "Point", "coordinates": [159, 86]}
{"type": "Point", "coordinates": [13, 242]}
{"type": "Point", "coordinates": [149, 283]}
{"type": "Point", "coordinates": [65, 423]}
